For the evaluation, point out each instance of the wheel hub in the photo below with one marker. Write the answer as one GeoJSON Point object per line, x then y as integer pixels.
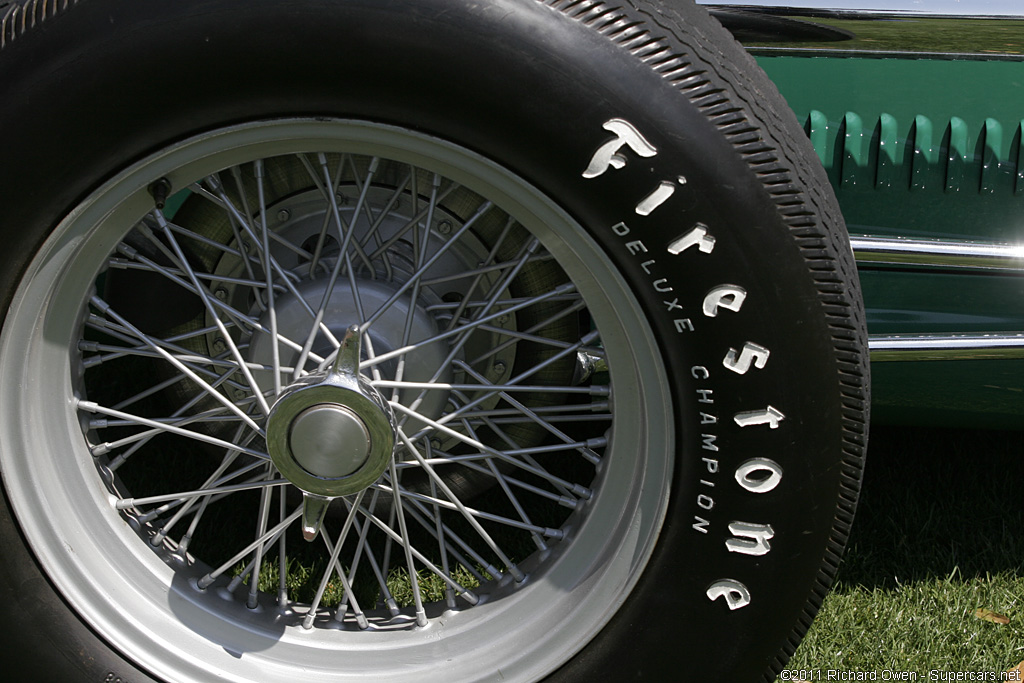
{"type": "Point", "coordinates": [331, 434]}
{"type": "Point", "coordinates": [293, 321]}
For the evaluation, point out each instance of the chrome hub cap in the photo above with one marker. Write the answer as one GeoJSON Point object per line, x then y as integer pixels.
{"type": "Point", "coordinates": [331, 434]}
{"type": "Point", "coordinates": [329, 440]}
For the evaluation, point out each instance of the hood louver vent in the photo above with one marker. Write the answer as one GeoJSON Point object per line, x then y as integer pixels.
{"type": "Point", "coordinates": [921, 154]}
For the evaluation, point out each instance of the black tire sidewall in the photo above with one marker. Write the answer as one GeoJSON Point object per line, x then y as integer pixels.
{"type": "Point", "coordinates": [106, 83]}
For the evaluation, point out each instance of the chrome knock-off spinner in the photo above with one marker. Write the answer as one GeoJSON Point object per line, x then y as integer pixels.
{"type": "Point", "coordinates": [331, 433]}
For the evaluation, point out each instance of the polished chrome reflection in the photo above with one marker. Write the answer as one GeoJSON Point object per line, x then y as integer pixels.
{"type": "Point", "coordinates": [938, 253]}
{"type": "Point", "coordinates": [946, 347]}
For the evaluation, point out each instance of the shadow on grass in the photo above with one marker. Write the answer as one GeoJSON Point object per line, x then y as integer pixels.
{"type": "Point", "coordinates": [937, 503]}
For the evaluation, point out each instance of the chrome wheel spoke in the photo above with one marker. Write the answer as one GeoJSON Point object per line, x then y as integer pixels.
{"type": "Point", "coordinates": [334, 567]}
{"type": "Point", "coordinates": [266, 539]}
{"type": "Point", "coordinates": [267, 303]}
{"type": "Point", "coordinates": [470, 326]}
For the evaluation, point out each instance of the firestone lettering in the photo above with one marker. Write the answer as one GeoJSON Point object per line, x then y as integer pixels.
{"type": "Point", "coordinates": [755, 475]}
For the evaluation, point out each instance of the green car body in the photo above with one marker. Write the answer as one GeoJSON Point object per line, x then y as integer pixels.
{"type": "Point", "coordinates": [918, 122]}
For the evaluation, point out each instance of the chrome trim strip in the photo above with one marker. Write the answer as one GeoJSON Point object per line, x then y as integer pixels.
{"type": "Point", "coordinates": [938, 254]}
{"type": "Point", "coordinates": [945, 347]}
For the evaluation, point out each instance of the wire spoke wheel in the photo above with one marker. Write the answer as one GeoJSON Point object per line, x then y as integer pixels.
{"type": "Point", "coordinates": [496, 469]}
{"type": "Point", "coordinates": [428, 340]}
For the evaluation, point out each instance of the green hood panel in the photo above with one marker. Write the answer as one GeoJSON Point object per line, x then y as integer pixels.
{"type": "Point", "coordinates": [922, 148]}
{"type": "Point", "coordinates": [925, 149]}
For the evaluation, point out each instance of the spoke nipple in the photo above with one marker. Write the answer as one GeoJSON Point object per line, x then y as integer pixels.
{"type": "Point", "coordinates": [392, 607]}
{"type": "Point", "coordinates": [183, 544]}
{"type": "Point", "coordinates": [566, 501]}
{"type": "Point", "coordinates": [582, 491]}
{"type": "Point", "coordinates": [159, 190]}
{"type": "Point", "coordinates": [126, 250]}
{"type": "Point", "coordinates": [158, 538]}
{"type": "Point", "coordinates": [252, 602]}
{"type": "Point", "coordinates": [307, 623]}
{"type": "Point", "coordinates": [149, 516]}
{"type": "Point", "coordinates": [341, 611]}
{"type": "Point", "coordinates": [205, 582]}
{"type": "Point", "coordinates": [362, 622]}
{"type": "Point", "coordinates": [470, 597]}
{"type": "Point", "coordinates": [100, 304]}
{"type": "Point", "coordinates": [421, 618]}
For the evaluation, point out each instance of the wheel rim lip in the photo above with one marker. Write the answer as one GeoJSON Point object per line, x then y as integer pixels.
{"type": "Point", "coordinates": [40, 314]}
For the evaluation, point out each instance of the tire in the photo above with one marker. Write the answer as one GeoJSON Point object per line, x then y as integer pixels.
{"type": "Point", "coordinates": [665, 479]}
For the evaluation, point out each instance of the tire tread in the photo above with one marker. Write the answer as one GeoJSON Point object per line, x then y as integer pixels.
{"type": "Point", "coordinates": [727, 86]}
{"type": "Point", "coordinates": [16, 18]}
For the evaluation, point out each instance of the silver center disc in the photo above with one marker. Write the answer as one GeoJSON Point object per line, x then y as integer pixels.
{"type": "Point", "coordinates": [329, 441]}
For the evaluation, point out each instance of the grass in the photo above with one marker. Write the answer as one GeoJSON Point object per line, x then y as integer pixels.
{"type": "Point", "coordinates": [939, 534]}
{"type": "Point", "coordinates": [917, 34]}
